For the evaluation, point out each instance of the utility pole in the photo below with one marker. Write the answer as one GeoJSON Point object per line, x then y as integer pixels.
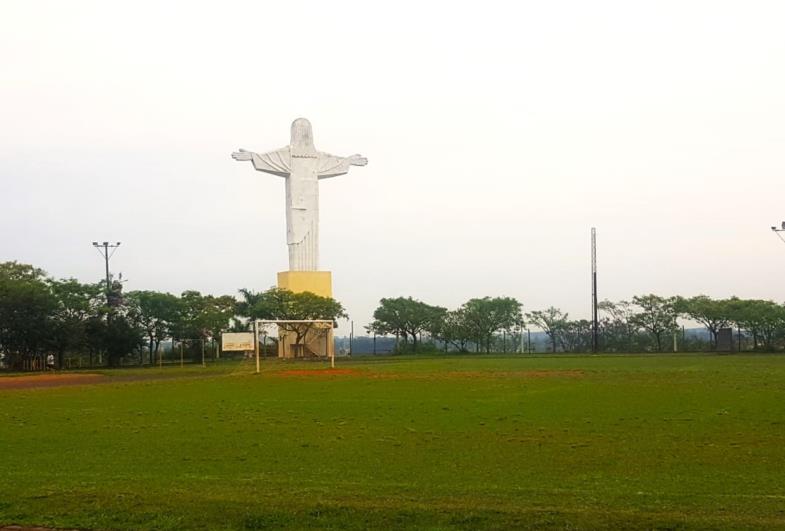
{"type": "Point", "coordinates": [594, 316]}
{"type": "Point", "coordinates": [104, 249]}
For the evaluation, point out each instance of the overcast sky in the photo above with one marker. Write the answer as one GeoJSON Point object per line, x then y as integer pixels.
{"type": "Point", "coordinates": [497, 133]}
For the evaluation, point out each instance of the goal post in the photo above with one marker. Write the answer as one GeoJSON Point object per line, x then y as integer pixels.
{"type": "Point", "coordinates": [297, 338]}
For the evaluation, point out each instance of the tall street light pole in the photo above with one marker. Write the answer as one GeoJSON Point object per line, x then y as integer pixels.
{"type": "Point", "coordinates": [104, 249]}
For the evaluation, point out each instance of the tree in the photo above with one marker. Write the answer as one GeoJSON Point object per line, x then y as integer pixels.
{"type": "Point", "coordinates": [406, 317]}
{"type": "Point", "coordinates": [217, 314]}
{"type": "Point", "coordinates": [454, 330]}
{"type": "Point", "coordinates": [200, 317]}
{"type": "Point", "coordinates": [157, 313]}
{"type": "Point", "coordinates": [277, 303]}
{"type": "Point", "coordinates": [27, 305]}
{"type": "Point", "coordinates": [713, 314]}
{"type": "Point", "coordinates": [617, 332]}
{"type": "Point", "coordinates": [576, 336]}
{"type": "Point", "coordinates": [189, 325]}
{"type": "Point", "coordinates": [119, 336]}
{"type": "Point", "coordinates": [307, 305]}
{"type": "Point", "coordinates": [76, 302]}
{"type": "Point", "coordinates": [552, 321]}
{"type": "Point", "coordinates": [760, 318]}
{"type": "Point", "coordinates": [489, 315]}
{"type": "Point", "coordinates": [657, 316]}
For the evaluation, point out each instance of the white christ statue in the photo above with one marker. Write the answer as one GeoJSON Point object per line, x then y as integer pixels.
{"type": "Point", "coordinates": [302, 167]}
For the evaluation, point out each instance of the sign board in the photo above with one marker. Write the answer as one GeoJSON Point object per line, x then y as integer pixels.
{"type": "Point", "coordinates": [237, 341]}
{"type": "Point", "coordinates": [725, 340]}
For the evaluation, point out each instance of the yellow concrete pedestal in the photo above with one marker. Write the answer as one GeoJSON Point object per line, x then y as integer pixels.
{"type": "Point", "coordinates": [319, 341]}
{"type": "Point", "coordinates": [318, 282]}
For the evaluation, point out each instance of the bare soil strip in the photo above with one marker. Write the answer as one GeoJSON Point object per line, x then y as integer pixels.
{"type": "Point", "coordinates": [66, 379]}
{"type": "Point", "coordinates": [320, 373]}
{"type": "Point", "coordinates": [49, 380]}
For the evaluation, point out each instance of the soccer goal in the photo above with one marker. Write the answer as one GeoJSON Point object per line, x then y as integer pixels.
{"type": "Point", "coordinates": [297, 338]}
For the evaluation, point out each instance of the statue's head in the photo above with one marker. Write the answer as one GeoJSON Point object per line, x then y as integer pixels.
{"type": "Point", "coordinates": [302, 138]}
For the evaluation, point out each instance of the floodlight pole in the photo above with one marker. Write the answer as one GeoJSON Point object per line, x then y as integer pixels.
{"type": "Point", "coordinates": [594, 317]}
{"type": "Point", "coordinates": [107, 255]}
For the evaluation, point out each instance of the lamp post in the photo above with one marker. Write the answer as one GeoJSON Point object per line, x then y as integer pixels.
{"type": "Point", "coordinates": [104, 248]}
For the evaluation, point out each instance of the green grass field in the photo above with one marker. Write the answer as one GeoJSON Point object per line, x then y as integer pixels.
{"type": "Point", "coordinates": [671, 442]}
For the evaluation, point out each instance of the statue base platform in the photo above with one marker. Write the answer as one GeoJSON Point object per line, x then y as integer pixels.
{"type": "Point", "coordinates": [317, 282]}
{"type": "Point", "coordinates": [319, 341]}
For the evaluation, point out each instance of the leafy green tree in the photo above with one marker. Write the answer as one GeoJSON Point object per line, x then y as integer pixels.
{"type": "Point", "coordinates": [95, 336]}
{"type": "Point", "coordinates": [490, 315]}
{"type": "Point", "coordinates": [711, 313]}
{"type": "Point", "coordinates": [657, 316]}
{"type": "Point", "coordinates": [118, 336]}
{"type": "Point", "coordinates": [763, 320]}
{"type": "Point", "coordinates": [203, 316]}
{"type": "Point", "coordinates": [27, 305]}
{"type": "Point", "coordinates": [76, 302]}
{"type": "Point", "coordinates": [407, 318]}
{"type": "Point", "coordinates": [454, 330]}
{"type": "Point", "coordinates": [157, 313]}
{"type": "Point", "coordinates": [551, 321]}
{"type": "Point", "coordinates": [276, 303]}
{"type": "Point", "coordinates": [576, 336]}
{"type": "Point", "coordinates": [617, 332]}
{"type": "Point", "coordinates": [217, 315]}
{"type": "Point", "coordinates": [188, 324]}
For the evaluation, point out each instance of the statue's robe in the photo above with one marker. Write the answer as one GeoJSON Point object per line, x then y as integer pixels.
{"type": "Point", "coordinates": [302, 166]}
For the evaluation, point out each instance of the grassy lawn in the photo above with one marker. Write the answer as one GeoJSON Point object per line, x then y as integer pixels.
{"type": "Point", "coordinates": [442, 442]}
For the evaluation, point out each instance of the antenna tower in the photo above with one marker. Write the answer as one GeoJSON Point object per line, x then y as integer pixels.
{"type": "Point", "coordinates": [594, 315]}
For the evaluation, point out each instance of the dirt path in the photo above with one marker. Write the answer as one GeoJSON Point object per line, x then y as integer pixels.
{"type": "Point", "coordinates": [66, 379]}
{"type": "Point", "coordinates": [23, 528]}
{"type": "Point", "coordinates": [319, 373]}
{"type": "Point", "coordinates": [49, 380]}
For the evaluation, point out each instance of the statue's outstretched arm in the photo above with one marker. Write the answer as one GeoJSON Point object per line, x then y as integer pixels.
{"type": "Point", "coordinates": [332, 166]}
{"type": "Point", "coordinates": [275, 162]}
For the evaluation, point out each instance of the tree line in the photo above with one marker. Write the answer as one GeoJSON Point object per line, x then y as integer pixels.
{"type": "Point", "coordinates": [475, 324]}
{"type": "Point", "coordinates": [647, 323]}
{"type": "Point", "coordinates": [40, 315]}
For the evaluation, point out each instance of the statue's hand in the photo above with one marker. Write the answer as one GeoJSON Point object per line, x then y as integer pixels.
{"type": "Point", "coordinates": [242, 155]}
{"type": "Point", "coordinates": [358, 160]}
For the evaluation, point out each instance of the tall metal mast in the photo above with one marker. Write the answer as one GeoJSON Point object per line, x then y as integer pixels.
{"type": "Point", "coordinates": [594, 315]}
{"type": "Point", "coordinates": [104, 249]}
